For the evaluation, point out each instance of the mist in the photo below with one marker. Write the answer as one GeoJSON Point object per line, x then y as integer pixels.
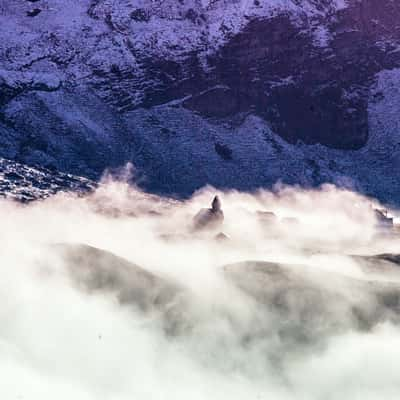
{"type": "Point", "coordinates": [117, 295]}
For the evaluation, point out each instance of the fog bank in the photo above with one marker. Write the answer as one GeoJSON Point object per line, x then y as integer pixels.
{"type": "Point", "coordinates": [117, 296]}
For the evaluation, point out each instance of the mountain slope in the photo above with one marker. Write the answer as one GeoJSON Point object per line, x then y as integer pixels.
{"type": "Point", "coordinates": [23, 183]}
{"type": "Point", "coordinates": [202, 92]}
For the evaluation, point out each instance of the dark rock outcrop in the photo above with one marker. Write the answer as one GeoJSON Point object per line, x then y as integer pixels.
{"type": "Point", "coordinates": [308, 91]}
{"type": "Point", "coordinates": [209, 218]}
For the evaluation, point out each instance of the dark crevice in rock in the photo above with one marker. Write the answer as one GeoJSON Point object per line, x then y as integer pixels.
{"type": "Point", "coordinates": [223, 151]}
{"type": "Point", "coordinates": [34, 12]}
{"type": "Point", "coordinates": [140, 15]}
{"type": "Point", "coordinates": [35, 60]}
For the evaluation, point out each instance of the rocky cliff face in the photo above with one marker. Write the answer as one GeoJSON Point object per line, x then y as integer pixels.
{"type": "Point", "coordinates": [178, 85]}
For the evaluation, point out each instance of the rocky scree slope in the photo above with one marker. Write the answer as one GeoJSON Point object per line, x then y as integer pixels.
{"type": "Point", "coordinates": [24, 184]}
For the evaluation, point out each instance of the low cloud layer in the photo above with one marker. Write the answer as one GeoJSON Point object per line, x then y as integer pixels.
{"type": "Point", "coordinates": [118, 296]}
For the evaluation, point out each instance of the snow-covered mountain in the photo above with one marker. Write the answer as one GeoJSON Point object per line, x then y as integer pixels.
{"type": "Point", "coordinates": [24, 184]}
{"type": "Point", "coordinates": [233, 93]}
